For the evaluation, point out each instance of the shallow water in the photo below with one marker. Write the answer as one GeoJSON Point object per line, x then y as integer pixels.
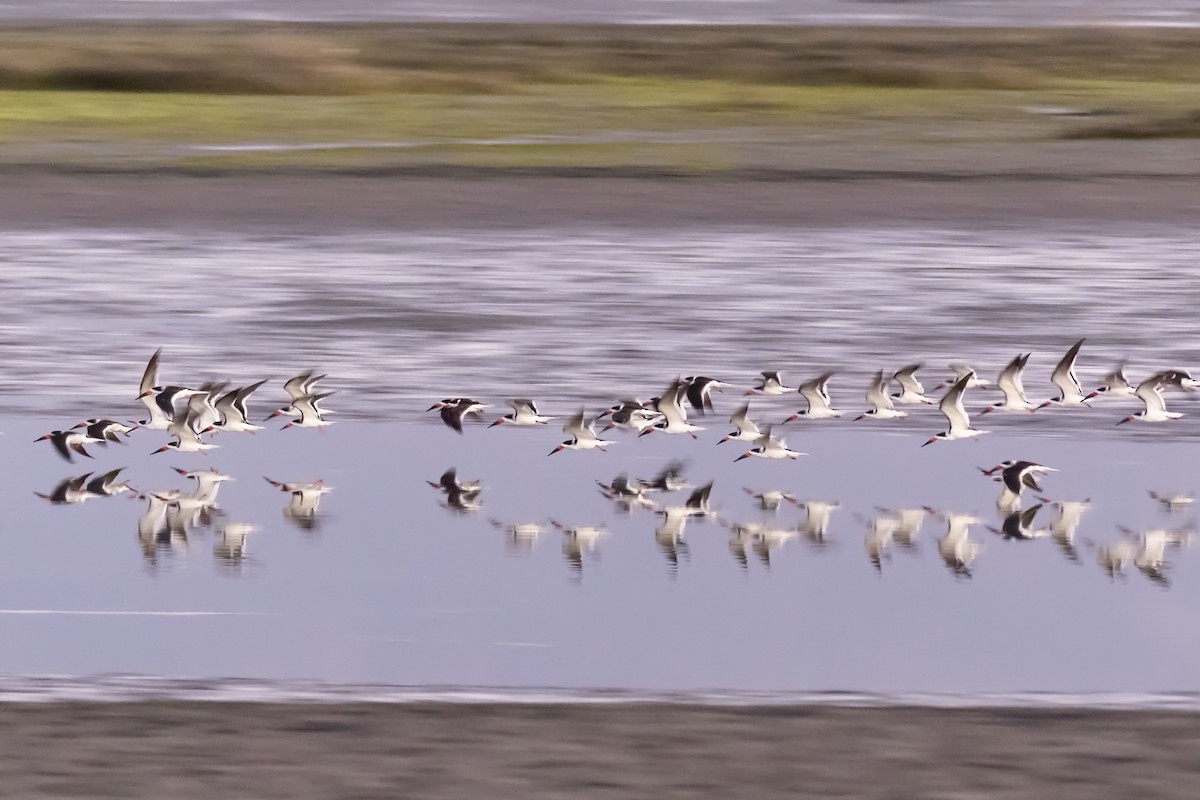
{"type": "Point", "coordinates": [582, 316]}
{"type": "Point", "coordinates": [386, 585]}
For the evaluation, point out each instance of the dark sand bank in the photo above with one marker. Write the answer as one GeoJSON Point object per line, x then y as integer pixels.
{"type": "Point", "coordinates": [336, 203]}
{"type": "Point", "coordinates": [202, 750]}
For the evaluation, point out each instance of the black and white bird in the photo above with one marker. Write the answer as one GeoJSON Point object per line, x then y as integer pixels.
{"type": "Point", "coordinates": [160, 401]}
{"type": "Point", "coordinates": [106, 430]}
{"type": "Point", "coordinates": [911, 390]}
{"type": "Point", "coordinates": [698, 390]}
{"type": "Point", "coordinates": [745, 429]}
{"type": "Point", "coordinates": [1170, 502]}
{"type": "Point", "coordinates": [771, 383]}
{"type": "Point", "coordinates": [961, 371]}
{"type": "Point", "coordinates": [1019, 525]}
{"type": "Point", "coordinates": [1015, 477]}
{"type": "Point", "coordinates": [452, 411]}
{"type": "Point", "coordinates": [955, 412]}
{"type": "Point", "coordinates": [630, 415]}
{"type": "Point", "coordinates": [583, 436]}
{"type": "Point", "coordinates": [670, 405]}
{"type": "Point", "coordinates": [68, 442]}
{"type": "Point", "coordinates": [880, 401]}
{"type": "Point", "coordinates": [816, 392]}
{"type": "Point", "coordinates": [298, 388]}
{"type": "Point", "coordinates": [234, 415]}
{"type": "Point", "coordinates": [767, 446]}
{"type": "Point", "coordinates": [669, 479]}
{"type": "Point", "coordinates": [1150, 392]}
{"type": "Point", "coordinates": [625, 493]}
{"type": "Point", "coordinates": [1114, 384]}
{"type": "Point", "coordinates": [1014, 389]}
{"type": "Point", "coordinates": [1070, 392]}
{"type": "Point", "coordinates": [69, 492]}
{"type": "Point", "coordinates": [524, 412]}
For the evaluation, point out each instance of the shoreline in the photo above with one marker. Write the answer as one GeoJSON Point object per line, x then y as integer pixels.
{"type": "Point", "coordinates": [194, 750]}
{"type": "Point", "coordinates": [333, 203]}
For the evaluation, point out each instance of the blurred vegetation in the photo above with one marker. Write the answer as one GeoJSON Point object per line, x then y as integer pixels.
{"type": "Point", "coordinates": [532, 95]}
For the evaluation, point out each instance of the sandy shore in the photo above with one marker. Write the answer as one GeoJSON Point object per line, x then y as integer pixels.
{"type": "Point", "coordinates": [335, 203]}
{"type": "Point", "coordinates": [203, 750]}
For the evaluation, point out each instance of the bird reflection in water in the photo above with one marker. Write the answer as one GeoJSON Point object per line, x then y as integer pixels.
{"type": "Point", "coordinates": [770, 500]}
{"type": "Point", "coordinates": [519, 537]}
{"type": "Point", "coordinates": [304, 502]}
{"type": "Point", "coordinates": [579, 542]}
{"type": "Point", "coordinates": [461, 496]}
{"type": "Point", "coordinates": [1064, 528]}
{"type": "Point", "coordinates": [878, 541]}
{"type": "Point", "coordinates": [626, 495]}
{"type": "Point", "coordinates": [815, 527]}
{"type": "Point", "coordinates": [957, 549]}
{"type": "Point", "coordinates": [909, 522]}
{"type": "Point", "coordinates": [762, 538]}
{"type": "Point", "coordinates": [669, 533]}
{"type": "Point", "coordinates": [1150, 552]}
{"type": "Point", "coordinates": [229, 548]}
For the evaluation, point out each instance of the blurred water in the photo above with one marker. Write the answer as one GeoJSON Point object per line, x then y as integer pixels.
{"type": "Point", "coordinates": [385, 584]}
{"type": "Point", "coordinates": [868, 12]}
{"type": "Point", "coordinates": [579, 315]}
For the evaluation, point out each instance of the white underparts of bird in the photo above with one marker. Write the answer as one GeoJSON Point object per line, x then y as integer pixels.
{"type": "Point", "coordinates": [631, 415]}
{"type": "Point", "coordinates": [106, 430]}
{"type": "Point", "coordinates": [770, 447]}
{"type": "Point", "coordinates": [1172, 501]}
{"type": "Point", "coordinates": [1070, 392]}
{"type": "Point", "coordinates": [524, 412]}
{"type": "Point", "coordinates": [1014, 390]}
{"type": "Point", "coordinates": [1150, 392]}
{"type": "Point", "coordinates": [583, 436]}
{"type": "Point", "coordinates": [297, 388]}
{"type": "Point", "coordinates": [880, 401]}
{"type": "Point", "coordinates": [670, 405]}
{"type": "Point", "coordinates": [1114, 384]}
{"type": "Point", "coordinates": [816, 392]}
{"type": "Point", "coordinates": [771, 499]}
{"type": "Point", "coordinates": [961, 371]}
{"type": "Point", "coordinates": [955, 412]}
{"type": "Point", "coordinates": [911, 390]}
{"type": "Point", "coordinates": [310, 413]}
{"type": "Point", "coordinates": [745, 429]}
{"type": "Point", "coordinates": [771, 382]}
{"type": "Point", "coordinates": [187, 437]}
{"type": "Point", "coordinates": [234, 415]}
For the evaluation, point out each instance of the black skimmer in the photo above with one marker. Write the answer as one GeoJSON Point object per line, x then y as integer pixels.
{"type": "Point", "coordinates": [234, 415]}
{"type": "Point", "coordinates": [771, 499]}
{"type": "Point", "coordinates": [454, 410]}
{"type": "Point", "coordinates": [312, 416]}
{"type": "Point", "coordinates": [106, 430]}
{"type": "Point", "coordinates": [187, 436]}
{"type": "Point", "coordinates": [770, 447]}
{"type": "Point", "coordinates": [669, 479]}
{"type": "Point", "coordinates": [816, 392]}
{"type": "Point", "coordinates": [1150, 392]}
{"type": "Point", "coordinates": [1177, 379]}
{"type": "Point", "coordinates": [524, 412]}
{"type": "Point", "coordinates": [955, 412]}
{"type": "Point", "coordinates": [961, 371]}
{"type": "Point", "coordinates": [202, 408]}
{"type": "Point", "coordinates": [771, 383]}
{"type": "Point", "coordinates": [304, 502]}
{"type": "Point", "coordinates": [159, 400]}
{"type": "Point", "coordinates": [631, 415]}
{"type": "Point", "coordinates": [66, 442]}
{"type": "Point", "coordinates": [698, 391]}
{"type": "Point", "coordinates": [1015, 476]}
{"type": "Point", "coordinates": [1070, 392]}
{"type": "Point", "coordinates": [298, 388]}
{"type": "Point", "coordinates": [880, 401]}
{"type": "Point", "coordinates": [1014, 389]}
{"type": "Point", "coordinates": [461, 496]}
{"type": "Point", "coordinates": [1114, 384]}
{"type": "Point", "coordinates": [911, 390]}
{"type": "Point", "coordinates": [670, 405]}
{"type": "Point", "coordinates": [745, 430]}
{"type": "Point", "coordinates": [583, 436]}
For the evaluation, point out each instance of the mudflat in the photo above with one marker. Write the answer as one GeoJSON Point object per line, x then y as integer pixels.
{"type": "Point", "coordinates": [323, 202]}
{"type": "Point", "coordinates": [204, 750]}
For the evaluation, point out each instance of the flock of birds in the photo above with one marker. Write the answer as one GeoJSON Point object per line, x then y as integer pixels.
{"type": "Point", "coordinates": [668, 412]}
{"type": "Point", "coordinates": [189, 415]}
